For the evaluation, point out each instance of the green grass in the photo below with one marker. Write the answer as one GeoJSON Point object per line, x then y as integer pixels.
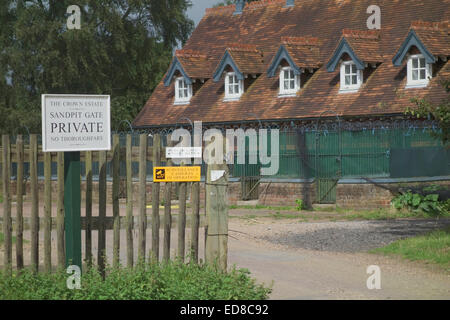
{"type": "Point", "coordinates": [2, 239]}
{"type": "Point", "coordinates": [261, 207]}
{"type": "Point", "coordinates": [340, 215]}
{"type": "Point", "coordinates": [172, 281]}
{"type": "Point", "coordinates": [431, 248]}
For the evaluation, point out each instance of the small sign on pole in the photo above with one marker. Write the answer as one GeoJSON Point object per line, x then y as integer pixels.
{"type": "Point", "coordinates": [70, 124]}
{"type": "Point", "coordinates": [177, 174]}
{"type": "Point", "coordinates": [183, 152]}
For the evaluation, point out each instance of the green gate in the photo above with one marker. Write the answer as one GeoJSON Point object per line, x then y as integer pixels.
{"type": "Point", "coordinates": [328, 164]}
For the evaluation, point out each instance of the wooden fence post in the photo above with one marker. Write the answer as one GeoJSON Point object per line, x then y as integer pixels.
{"type": "Point", "coordinates": [48, 212]}
{"type": "Point", "coordinates": [217, 216]}
{"type": "Point", "coordinates": [167, 211]}
{"type": "Point", "coordinates": [130, 252]}
{"type": "Point", "coordinates": [7, 225]}
{"type": "Point", "coordinates": [142, 196]}
{"type": "Point", "coordinates": [155, 198]}
{"type": "Point", "coordinates": [19, 199]}
{"type": "Point", "coordinates": [60, 212]}
{"type": "Point", "coordinates": [101, 253]}
{"type": "Point", "coordinates": [88, 231]}
{"type": "Point", "coordinates": [182, 221]}
{"type": "Point", "coordinates": [195, 226]}
{"type": "Point", "coordinates": [115, 200]}
{"type": "Point", "coordinates": [34, 204]}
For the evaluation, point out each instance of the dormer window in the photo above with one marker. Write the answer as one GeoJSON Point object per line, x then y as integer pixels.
{"type": "Point", "coordinates": [234, 88]}
{"type": "Point", "coordinates": [351, 77]}
{"type": "Point", "coordinates": [289, 82]}
{"type": "Point", "coordinates": [183, 91]}
{"type": "Point", "coordinates": [419, 71]}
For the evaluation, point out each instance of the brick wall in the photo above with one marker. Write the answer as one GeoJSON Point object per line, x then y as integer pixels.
{"type": "Point", "coordinates": [358, 196]}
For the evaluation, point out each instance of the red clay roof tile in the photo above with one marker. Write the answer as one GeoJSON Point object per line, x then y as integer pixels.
{"type": "Point", "coordinates": [265, 23]}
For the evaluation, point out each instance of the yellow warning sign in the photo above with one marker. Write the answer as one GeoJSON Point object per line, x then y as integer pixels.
{"type": "Point", "coordinates": [176, 174]}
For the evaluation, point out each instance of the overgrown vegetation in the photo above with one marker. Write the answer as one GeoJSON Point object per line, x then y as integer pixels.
{"type": "Point", "coordinates": [300, 205]}
{"type": "Point", "coordinates": [262, 207]}
{"type": "Point", "coordinates": [440, 112]}
{"type": "Point", "coordinates": [415, 202]}
{"type": "Point", "coordinates": [431, 248]}
{"type": "Point", "coordinates": [172, 281]}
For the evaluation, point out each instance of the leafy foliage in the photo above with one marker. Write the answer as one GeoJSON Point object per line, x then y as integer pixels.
{"type": "Point", "coordinates": [172, 281]}
{"type": "Point", "coordinates": [440, 113]}
{"type": "Point", "coordinates": [429, 203]}
{"type": "Point", "coordinates": [123, 49]}
{"type": "Point", "coordinates": [300, 205]}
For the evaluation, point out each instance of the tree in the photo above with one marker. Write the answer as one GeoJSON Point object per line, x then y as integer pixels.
{"type": "Point", "coordinates": [123, 49]}
{"type": "Point", "coordinates": [441, 113]}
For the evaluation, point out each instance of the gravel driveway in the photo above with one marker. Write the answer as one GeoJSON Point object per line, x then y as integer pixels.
{"type": "Point", "coordinates": [329, 260]}
{"type": "Point", "coordinates": [351, 236]}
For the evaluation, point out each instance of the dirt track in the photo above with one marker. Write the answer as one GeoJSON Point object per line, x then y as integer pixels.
{"type": "Point", "coordinates": [272, 250]}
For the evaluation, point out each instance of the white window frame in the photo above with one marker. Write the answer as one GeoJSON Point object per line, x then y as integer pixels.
{"type": "Point", "coordinates": [288, 92]}
{"type": "Point", "coordinates": [419, 83]}
{"type": "Point", "coordinates": [359, 76]}
{"type": "Point", "coordinates": [233, 96]}
{"type": "Point", "coordinates": [179, 99]}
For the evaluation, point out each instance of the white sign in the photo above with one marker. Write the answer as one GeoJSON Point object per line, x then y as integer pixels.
{"type": "Point", "coordinates": [75, 123]}
{"type": "Point", "coordinates": [183, 152]}
{"type": "Point", "coordinates": [217, 174]}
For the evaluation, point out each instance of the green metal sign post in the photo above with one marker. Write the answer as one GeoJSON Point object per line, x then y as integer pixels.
{"type": "Point", "coordinates": [72, 207]}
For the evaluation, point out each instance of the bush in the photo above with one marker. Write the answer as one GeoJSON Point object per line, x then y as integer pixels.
{"type": "Point", "coordinates": [300, 205]}
{"type": "Point", "coordinates": [173, 281]}
{"type": "Point", "coordinates": [429, 204]}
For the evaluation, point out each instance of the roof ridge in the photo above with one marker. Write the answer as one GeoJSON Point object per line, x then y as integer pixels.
{"type": "Point", "coordinates": [248, 5]}
{"type": "Point", "coordinates": [243, 47]}
{"type": "Point", "coordinates": [428, 25]}
{"type": "Point", "coordinates": [305, 40]}
{"type": "Point", "coordinates": [262, 3]}
{"type": "Point", "coordinates": [189, 53]}
{"type": "Point", "coordinates": [220, 9]}
{"type": "Point", "coordinates": [361, 34]}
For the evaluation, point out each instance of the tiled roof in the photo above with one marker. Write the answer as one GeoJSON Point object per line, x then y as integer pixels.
{"type": "Point", "coordinates": [196, 64]}
{"type": "Point", "coordinates": [365, 44]}
{"type": "Point", "coordinates": [266, 24]}
{"type": "Point", "coordinates": [305, 51]}
{"type": "Point", "coordinates": [435, 36]}
{"type": "Point", "coordinates": [247, 58]}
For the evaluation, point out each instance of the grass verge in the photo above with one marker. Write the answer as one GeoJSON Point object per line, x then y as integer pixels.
{"type": "Point", "coordinates": [341, 215]}
{"type": "Point", "coordinates": [262, 207]}
{"type": "Point", "coordinates": [172, 281]}
{"type": "Point", "coordinates": [431, 248]}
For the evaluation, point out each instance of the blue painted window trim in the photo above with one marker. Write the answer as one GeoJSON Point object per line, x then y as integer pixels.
{"type": "Point", "coordinates": [174, 67]}
{"type": "Point", "coordinates": [344, 47]}
{"type": "Point", "coordinates": [412, 40]}
{"type": "Point", "coordinates": [227, 60]}
{"type": "Point", "coordinates": [282, 54]}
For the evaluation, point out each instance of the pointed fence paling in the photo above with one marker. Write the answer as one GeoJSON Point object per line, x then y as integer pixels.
{"type": "Point", "coordinates": [35, 224]}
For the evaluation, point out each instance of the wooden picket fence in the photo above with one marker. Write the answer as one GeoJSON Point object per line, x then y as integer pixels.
{"type": "Point", "coordinates": [21, 152]}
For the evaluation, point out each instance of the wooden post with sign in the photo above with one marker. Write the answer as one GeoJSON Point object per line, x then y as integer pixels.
{"type": "Point", "coordinates": [72, 207]}
{"type": "Point", "coordinates": [71, 124]}
{"type": "Point", "coordinates": [217, 215]}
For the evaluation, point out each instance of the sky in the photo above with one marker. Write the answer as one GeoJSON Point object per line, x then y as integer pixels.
{"type": "Point", "coordinates": [197, 10]}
